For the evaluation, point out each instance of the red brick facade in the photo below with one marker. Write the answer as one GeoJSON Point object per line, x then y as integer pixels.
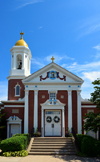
{"type": "Point", "coordinates": [31, 110]}
{"type": "Point", "coordinates": [11, 89]}
{"type": "Point", "coordinates": [43, 96]}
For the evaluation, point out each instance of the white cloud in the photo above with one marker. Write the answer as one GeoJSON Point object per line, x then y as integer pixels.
{"type": "Point", "coordinates": [83, 67]}
{"type": "Point", "coordinates": [91, 75]}
{"type": "Point", "coordinates": [29, 2]}
{"type": "Point", "coordinates": [3, 90]}
{"type": "Point", "coordinates": [97, 47]}
{"type": "Point", "coordinates": [89, 26]}
{"type": "Point", "coordinates": [57, 57]}
{"type": "Point", "coordinates": [37, 62]}
{"type": "Point", "coordinates": [40, 27]}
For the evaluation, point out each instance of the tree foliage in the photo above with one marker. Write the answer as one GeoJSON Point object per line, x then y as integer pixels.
{"type": "Point", "coordinates": [3, 122]}
{"type": "Point", "coordinates": [92, 121]}
{"type": "Point", "coordinates": [95, 96]}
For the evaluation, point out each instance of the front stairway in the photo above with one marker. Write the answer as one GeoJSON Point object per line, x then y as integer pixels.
{"type": "Point", "coordinates": [52, 146]}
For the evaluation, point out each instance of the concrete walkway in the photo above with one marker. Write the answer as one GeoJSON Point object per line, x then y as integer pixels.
{"type": "Point", "coordinates": [56, 158]}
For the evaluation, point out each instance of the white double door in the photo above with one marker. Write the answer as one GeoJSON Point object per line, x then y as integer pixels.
{"type": "Point", "coordinates": [52, 123]}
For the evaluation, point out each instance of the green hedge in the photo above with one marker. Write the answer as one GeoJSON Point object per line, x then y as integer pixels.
{"type": "Point", "coordinates": [89, 145]}
{"type": "Point", "coordinates": [80, 138]}
{"type": "Point", "coordinates": [20, 135]}
{"type": "Point", "coordinates": [16, 153]}
{"type": "Point", "coordinates": [16, 143]}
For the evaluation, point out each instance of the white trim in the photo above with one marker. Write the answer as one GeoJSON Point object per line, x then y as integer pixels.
{"type": "Point", "coordinates": [79, 118]}
{"type": "Point", "coordinates": [14, 105]}
{"type": "Point", "coordinates": [13, 121]}
{"type": "Point", "coordinates": [35, 118]}
{"type": "Point", "coordinates": [53, 107]}
{"type": "Point", "coordinates": [88, 106]}
{"type": "Point", "coordinates": [69, 109]}
{"type": "Point", "coordinates": [26, 113]}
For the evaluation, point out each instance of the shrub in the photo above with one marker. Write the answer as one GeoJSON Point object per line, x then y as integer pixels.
{"type": "Point", "coordinates": [90, 146]}
{"type": "Point", "coordinates": [20, 135]}
{"type": "Point", "coordinates": [16, 143]}
{"type": "Point", "coordinates": [80, 138]}
{"type": "Point", "coordinates": [16, 153]}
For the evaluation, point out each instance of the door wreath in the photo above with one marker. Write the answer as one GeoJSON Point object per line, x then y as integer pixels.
{"type": "Point", "coordinates": [49, 119]}
{"type": "Point", "coordinates": [56, 119]}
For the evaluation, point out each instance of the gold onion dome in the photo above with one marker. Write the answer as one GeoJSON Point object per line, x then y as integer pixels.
{"type": "Point", "coordinates": [21, 42]}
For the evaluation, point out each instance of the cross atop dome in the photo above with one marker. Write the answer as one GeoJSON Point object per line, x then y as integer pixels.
{"type": "Point", "coordinates": [52, 58]}
{"type": "Point", "coordinates": [21, 34]}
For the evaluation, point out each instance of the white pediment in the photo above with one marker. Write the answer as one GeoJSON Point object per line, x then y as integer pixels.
{"type": "Point", "coordinates": [43, 75]}
{"type": "Point", "coordinates": [14, 119]}
{"type": "Point", "coordinates": [48, 103]}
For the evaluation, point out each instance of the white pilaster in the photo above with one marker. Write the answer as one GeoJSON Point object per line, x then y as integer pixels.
{"type": "Point", "coordinates": [63, 124]}
{"type": "Point", "coordinates": [42, 121]}
{"type": "Point", "coordinates": [79, 121]}
{"type": "Point", "coordinates": [23, 61]}
{"type": "Point", "coordinates": [26, 113]}
{"type": "Point", "coordinates": [7, 130]}
{"type": "Point", "coordinates": [69, 109]}
{"type": "Point", "coordinates": [35, 109]}
{"type": "Point", "coordinates": [14, 64]}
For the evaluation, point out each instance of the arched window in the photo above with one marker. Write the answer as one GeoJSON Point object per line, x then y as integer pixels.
{"type": "Point", "coordinates": [17, 90]}
{"type": "Point", "coordinates": [19, 61]}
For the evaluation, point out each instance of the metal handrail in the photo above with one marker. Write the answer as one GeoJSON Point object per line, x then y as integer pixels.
{"type": "Point", "coordinates": [76, 139]}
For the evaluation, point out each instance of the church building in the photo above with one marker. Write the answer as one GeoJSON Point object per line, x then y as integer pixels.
{"type": "Point", "coordinates": [49, 99]}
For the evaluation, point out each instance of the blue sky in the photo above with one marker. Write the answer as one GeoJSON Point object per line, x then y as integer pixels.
{"type": "Point", "coordinates": [67, 30]}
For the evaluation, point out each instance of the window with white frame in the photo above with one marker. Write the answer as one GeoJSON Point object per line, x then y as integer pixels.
{"type": "Point", "coordinates": [17, 90]}
{"type": "Point", "coordinates": [52, 98]}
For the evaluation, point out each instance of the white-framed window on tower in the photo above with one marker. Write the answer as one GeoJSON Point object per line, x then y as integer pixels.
{"type": "Point", "coordinates": [17, 90]}
{"type": "Point", "coordinates": [52, 98]}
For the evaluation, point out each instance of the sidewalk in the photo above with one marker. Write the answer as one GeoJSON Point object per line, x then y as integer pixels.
{"type": "Point", "coordinates": [56, 158]}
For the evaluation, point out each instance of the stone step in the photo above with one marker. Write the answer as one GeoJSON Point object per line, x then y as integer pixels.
{"type": "Point", "coordinates": [55, 139]}
{"type": "Point", "coordinates": [48, 142]}
{"type": "Point", "coordinates": [52, 144]}
{"type": "Point", "coordinates": [52, 153]}
{"type": "Point", "coordinates": [52, 150]}
{"type": "Point", "coordinates": [52, 147]}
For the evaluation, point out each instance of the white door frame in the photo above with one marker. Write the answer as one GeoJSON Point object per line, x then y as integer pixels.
{"type": "Point", "coordinates": [48, 106]}
{"type": "Point", "coordinates": [14, 120]}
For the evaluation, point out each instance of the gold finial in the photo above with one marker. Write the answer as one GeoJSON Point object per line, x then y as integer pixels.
{"type": "Point", "coordinates": [21, 34]}
{"type": "Point", "coordinates": [52, 58]}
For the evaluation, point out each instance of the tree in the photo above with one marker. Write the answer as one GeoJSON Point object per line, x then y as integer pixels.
{"type": "Point", "coordinates": [92, 121]}
{"type": "Point", "coordinates": [95, 96]}
{"type": "Point", "coordinates": [3, 122]}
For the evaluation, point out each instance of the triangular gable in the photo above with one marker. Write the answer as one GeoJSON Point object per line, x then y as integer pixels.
{"type": "Point", "coordinates": [61, 75]}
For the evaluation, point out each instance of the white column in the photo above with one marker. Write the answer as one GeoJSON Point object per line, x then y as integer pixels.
{"type": "Point", "coordinates": [23, 61]}
{"type": "Point", "coordinates": [26, 113]}
{"type": "Point", "coordinates": [7, 130]}
{"type": "Point", "coordinates": [79, 120]}
{"type": "Point", "coordinates": [42, 121]}
{"type": "Point", "coordinates": [63, 124]}
{"type": "Point", "coordinates": [69, 109]}
{"type": "Point", "coordinates": [14, 63]}
{"type": "Point", "coordinates": [20, 128]}
{"type": "Point", "coordinates": [35, 109]}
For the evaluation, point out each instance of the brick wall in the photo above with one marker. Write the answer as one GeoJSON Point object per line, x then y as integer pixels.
{"type": "Point", "coordinates": [31, 110]}
{"type": "Point", "coordinates": [8, 110]}
{"type": "Point", "coordinates": [11, 90]}
{"type": "Point", "coordinates": [74, 110]}
{"type": "Point", "coordinates": [64, 101]}
{"type": "Point", "coordinates": [40, 101]}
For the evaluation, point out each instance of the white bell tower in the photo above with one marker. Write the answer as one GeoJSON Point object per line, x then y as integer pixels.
{"type": "Point", "coordinates": [20, 60]}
